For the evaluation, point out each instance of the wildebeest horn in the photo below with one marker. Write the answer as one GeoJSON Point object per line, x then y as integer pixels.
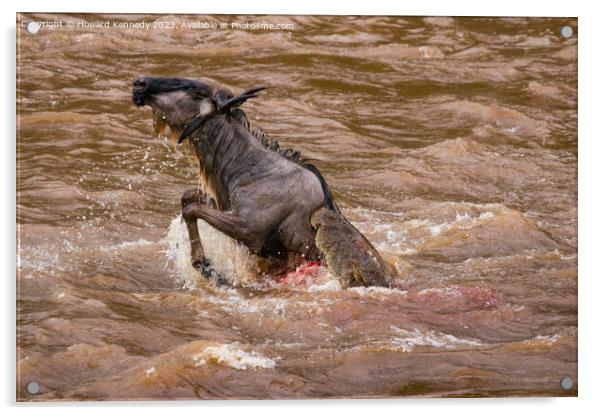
{"type": "Point", "coordinates": [192, 125]}
{"type": "Point", "coordinates": [254, 90]}
{"type": "Point", "coordinates": [236, 101]}
{"type": "Point", "coordinates": [222, 106]}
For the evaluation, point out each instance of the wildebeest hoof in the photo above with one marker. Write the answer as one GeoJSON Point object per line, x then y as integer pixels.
{"type": "Point", "coordinates": [205, 268]}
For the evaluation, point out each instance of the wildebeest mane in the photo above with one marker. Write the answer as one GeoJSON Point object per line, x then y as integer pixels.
{"type": "Point", "coordinates": [262, 136]}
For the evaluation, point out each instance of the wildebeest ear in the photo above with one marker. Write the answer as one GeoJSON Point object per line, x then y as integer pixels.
{"type": "Point", "coordinates": [191, 127]}
{"type": "Point", "coordinates": [221, 97]}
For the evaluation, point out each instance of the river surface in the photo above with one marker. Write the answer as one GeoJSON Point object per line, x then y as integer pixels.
{"type": "Point", "coordinates": [451, 143]}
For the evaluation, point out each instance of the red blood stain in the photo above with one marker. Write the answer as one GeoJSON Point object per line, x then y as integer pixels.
{"type": "Point", "coordinates": [301, 275]}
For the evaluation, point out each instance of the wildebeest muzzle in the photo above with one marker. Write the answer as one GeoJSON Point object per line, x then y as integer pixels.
{"type": "Point", "coordinates": [139, 88]}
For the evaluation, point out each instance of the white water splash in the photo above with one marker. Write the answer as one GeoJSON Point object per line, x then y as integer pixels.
{"type": "Point", "coordinates": [391, 233]}
{"type": "Point", "coordinates": [129, 244]}
{"type": "Point", "coordinates": [462, 221]}
{"type": "Point", "coordinates": [232, 355]}
{"type": "Point", "coordinates": [42, 260]}
{"type": "Point", "coordinates": [546, 340]}
{"type": "Point", "coordinates": [330, 284]}
{"type": "Point", "coordinates": [444, 292]}
{"type": "Point", "coordinates": [378, 291]}
{"type": "Point", "coordinates": [407, 340]}
{"type": "Point", "coordinates": [231, 259]}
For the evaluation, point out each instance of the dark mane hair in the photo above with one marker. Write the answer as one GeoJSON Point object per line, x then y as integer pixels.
{"type": "Point", "coordinates": [262, 137]}
{"type": "Point", "coordinates": [194, 88]}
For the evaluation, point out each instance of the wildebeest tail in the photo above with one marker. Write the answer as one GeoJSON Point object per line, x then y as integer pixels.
{"type": "Point", "coordinates": [328, 200]}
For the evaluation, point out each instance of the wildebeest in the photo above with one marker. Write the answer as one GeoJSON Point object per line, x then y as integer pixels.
{"type": "Point", "coordinates": [268, 198]}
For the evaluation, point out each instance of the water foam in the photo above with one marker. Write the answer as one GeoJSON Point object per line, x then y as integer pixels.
{"type": "Point", "coordinates": [436, 227]}
{"type": "Point", "coordinates": [40, 260]}
{"type": "Point", "coordinates": [328, 285]}
{"type": "Point", "coordinates": [128, 245]}
{"type": "Point", "coordinates": [228, 257]}
{"type": "Point", "coordinates": [407, 340]}
{"type": "Point", "coordinates": [398, 238]}
{"type": "Point", "coordinates": [377, 291]}
{"type": "Point", "coordinates": [462, 221]}
{"type": "Point", "coordinates": [232, 355]}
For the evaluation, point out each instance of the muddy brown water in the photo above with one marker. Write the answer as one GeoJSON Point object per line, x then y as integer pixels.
{"type": "Point", "coordinates": [450, 142]}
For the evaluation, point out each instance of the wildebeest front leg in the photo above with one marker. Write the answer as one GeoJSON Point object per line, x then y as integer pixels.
{"type": "Point", "coordinates": [197, 254]}
{"type": "Point", "coordinates": [226, 222]}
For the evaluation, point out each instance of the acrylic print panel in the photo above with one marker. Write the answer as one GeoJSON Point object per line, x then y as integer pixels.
{"type": "Point", "coordinates": [417, 240]}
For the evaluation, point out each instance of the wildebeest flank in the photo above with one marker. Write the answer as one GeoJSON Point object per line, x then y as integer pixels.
{"type": "Point", "coordinates": [250, 189]}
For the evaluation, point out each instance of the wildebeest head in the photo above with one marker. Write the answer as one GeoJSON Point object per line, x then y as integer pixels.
{"type": "Point", "coordinates": [182, 103]}
{"type": "Point", "coordinates": [176, 101]}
